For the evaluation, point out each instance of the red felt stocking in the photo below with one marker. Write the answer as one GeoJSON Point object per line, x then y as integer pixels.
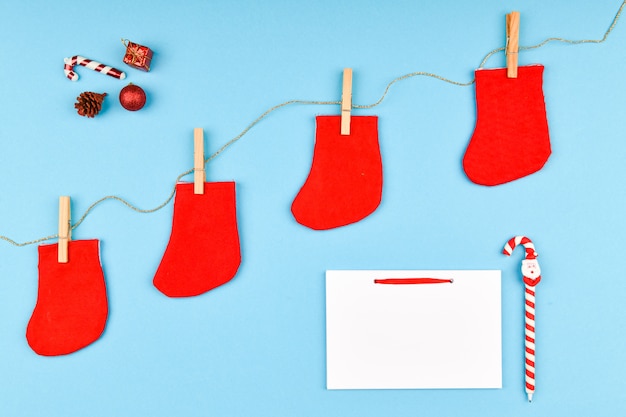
{"type": "Point", "coordinates": [203, 251]}
{"type": "Point", "coordinates": [71, 309]}
{"type": "Point", "coordinates": [511, 137]}
{"type": "Point", "coordinates": [346, 178]}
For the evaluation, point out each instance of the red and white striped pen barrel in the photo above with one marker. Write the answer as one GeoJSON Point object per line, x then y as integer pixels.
{"type": "Point", "coordinates": [529, 343]}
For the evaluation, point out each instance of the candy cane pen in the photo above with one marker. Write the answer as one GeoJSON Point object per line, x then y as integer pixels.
{"type": "Point", "coordinates": [532, 275]}
{"type": "Point", "coordinates": [93, 65]}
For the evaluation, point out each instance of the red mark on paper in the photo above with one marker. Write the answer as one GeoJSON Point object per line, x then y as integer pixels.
{"type": "Point", "coordinates": [408, 281]}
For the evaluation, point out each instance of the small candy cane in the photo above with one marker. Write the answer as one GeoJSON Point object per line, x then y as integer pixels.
{"type": "Point", "coordinates": [94, 65]}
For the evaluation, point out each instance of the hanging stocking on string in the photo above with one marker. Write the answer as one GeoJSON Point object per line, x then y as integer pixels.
{"type": "Point", "coordinates": [346, 178]}
{"type": "Point", "coordinates": [511, 138]}
{"type": "Point", "coordinates": [72, 308]}
{"type": "Point", "coordinates": [203, 251]}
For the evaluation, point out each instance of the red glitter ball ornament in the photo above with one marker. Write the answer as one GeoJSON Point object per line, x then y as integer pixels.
{"type": "Point", "coordinates": [132, 97]}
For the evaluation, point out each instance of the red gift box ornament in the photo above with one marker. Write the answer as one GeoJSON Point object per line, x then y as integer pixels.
{"type": "Point", "coordinates": [137, 56]}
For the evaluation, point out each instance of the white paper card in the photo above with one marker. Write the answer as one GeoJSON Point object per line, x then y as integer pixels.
{"type": "Point", "coordinates": [382, 336]}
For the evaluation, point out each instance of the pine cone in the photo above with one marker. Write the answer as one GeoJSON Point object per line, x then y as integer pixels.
{"type": "Point", "coordinates": [89, 104]}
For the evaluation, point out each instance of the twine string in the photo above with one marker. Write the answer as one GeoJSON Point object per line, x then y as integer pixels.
{"type": "Point", "coordinates": [563, 40]}
{"type": "Point", "coordinates": [311, 102]}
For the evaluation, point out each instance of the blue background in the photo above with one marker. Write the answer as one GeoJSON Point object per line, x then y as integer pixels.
{"type": "Point", "coordinates": [256, 346]}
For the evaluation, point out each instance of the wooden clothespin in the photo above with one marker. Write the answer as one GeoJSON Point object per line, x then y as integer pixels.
{"type": "Point", "coordinates": [65, 229]}
{"type": "Point", "coordinates": [346, 101]}
{"type": "Point", "coordinates": [199, 174]}
{"type": "Point", "coordinates": [512, 43]}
